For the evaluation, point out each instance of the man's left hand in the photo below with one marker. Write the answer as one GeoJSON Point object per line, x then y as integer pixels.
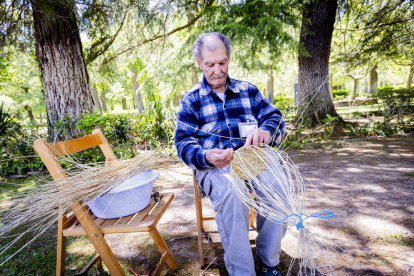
{"type": "Point", "coordinates": [257, 137]}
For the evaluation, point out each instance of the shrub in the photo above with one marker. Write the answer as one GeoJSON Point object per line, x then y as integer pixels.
{"type": "Point", "coordinates": [374, 128]}
{"type": "Point", "coordinates": [340, 94]}
{"type": "Point", "coordinates": [284, 103]}
{"type": "Point", "coordinates": [396, 101]}
{"type": "Point", "coordinates": [7, 122]}
{"type": "Point", "coordinates": [127, 133]}
{"type": "Point", "coordinates": [16, 153]}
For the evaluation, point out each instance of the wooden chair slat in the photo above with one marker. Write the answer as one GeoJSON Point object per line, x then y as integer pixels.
{"type": "Point", "coordinates": [75, 145]}
{"type": "Point", "coordinates": [125, 220]}
{"type": "Point", "coordinates": [157, 212]}
{"type": "Point", "coordinates": [141, 215]}
{"type": "Point", "coordinates": [99, 221]}
{"type": "Point", "coordinates": [134, 225]}
{"type": "Point", "coordinates": [109, 222]}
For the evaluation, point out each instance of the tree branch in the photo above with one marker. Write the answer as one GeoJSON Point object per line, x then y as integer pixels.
{"type": "Point", "coordinates": [376, 27]}
{"type": "Point", "coordinates": [190, 23]}
{"type": "Point", "coordinates": [103, 50]}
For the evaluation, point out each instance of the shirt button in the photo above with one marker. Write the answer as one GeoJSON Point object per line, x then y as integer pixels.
{"type": "Point", "coordinates": [232, 141]}
{"type": "Point", "coordinates": [228, 124]}
{"type": "Point", "coordinates": [224, 106]}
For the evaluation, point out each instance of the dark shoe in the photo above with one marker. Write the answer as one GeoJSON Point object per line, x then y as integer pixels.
{"type": "Point", "coordinates": [266, 270]}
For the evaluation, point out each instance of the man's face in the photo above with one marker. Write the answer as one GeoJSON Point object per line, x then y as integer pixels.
{"type": "Point", "coordinates": [215, 65]}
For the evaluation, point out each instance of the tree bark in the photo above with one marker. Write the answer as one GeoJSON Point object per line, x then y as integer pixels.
{"type": "Point", "coordinates": [103, 101]}
{"type": "Point", "coordinates": [124, 104]}
{"type": "Point", "coordinates": [176, 99]}
{"type": "Point", "coordinates": [366, 86]}
{"type": "Point", "coordinates": [355, 90]}
{"type": "Point", "coordinates": [137, 92]}
{"type": "Point", "coordinates": [373, 80]}
{"type": "Point", "coordinates": [28, 108]}
{"type": "Point", "coordinates": [270, 95]}
{"type": "Point", "coordinates": [331, 84]}
{"type": "Point", "coordinates": [410, 76]}
{"type": "Point", "coordinates": [59, 53]}
{"type": "Point", "coordinates": [315, 100]}
{"type": "Point", "coordinates": [98, 106]}
{"type": "Point", "coordinates": [194, 76]}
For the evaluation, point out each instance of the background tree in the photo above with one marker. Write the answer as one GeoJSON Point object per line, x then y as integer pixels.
{"type": "Point", "coordinates": [368, 34]}
{"type": "Point", "coordinates": [315, 99]}
{"type": "Point", "coordinates": [21, 88]}
{"type": "Point", "coordinates": [60, 56]}
{"type": "Point", "coordinates": [55, 25]}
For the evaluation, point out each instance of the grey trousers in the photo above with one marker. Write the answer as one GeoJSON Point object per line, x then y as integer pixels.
{"type": "Point", "coordinates": [232, 218]}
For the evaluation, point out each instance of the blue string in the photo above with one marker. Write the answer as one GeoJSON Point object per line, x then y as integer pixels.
{"type": "Point", "coordinates": [314, 215]}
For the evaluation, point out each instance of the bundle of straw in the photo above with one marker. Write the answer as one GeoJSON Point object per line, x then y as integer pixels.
{"type": "Point", "coordinates": [38, 209]}
{"type": "Point", "coordinates": [281, 199]}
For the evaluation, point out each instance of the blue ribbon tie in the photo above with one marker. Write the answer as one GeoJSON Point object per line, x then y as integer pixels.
{"type": "Point", "coordinates": [320, 214]}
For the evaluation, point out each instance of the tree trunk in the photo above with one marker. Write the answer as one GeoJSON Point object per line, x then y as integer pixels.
{"type": "Point", "coordinates": [124, 104]}
{"type": "Point", "coordinates": [270, 95]}
{"type": "Point", "coordinates": [61, 61]}
{"type": "Point", "coordinates": [410, 76]}
{"type": "Point", "coordinates": [30, 113]}
{"type": "Point", "coordinates": [27, 107]}
{"type": "Point", "coordinates": [331, 84]}
{"type": "Point", "coordinates": [355, 89]}
{"type": "Point", "coordinates": [103, 101]}
{"type": "Point", "coordinates": [366, 86]}
{"type": "Point", "coordinates": [176, 99]}
{"type": "Point", "coordinates": [373, 80]}
{"type": "Point", "coordinates": [137, 92]}
{"type": "Point", "coordinates": [315, 101]}
{"type": "Point", "coordinates": [98, 106]}
{"type": "Point", "coordinates": [195, 75]}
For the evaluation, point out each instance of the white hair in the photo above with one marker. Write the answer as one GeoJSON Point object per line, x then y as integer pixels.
{"type": "Point", "coordinates": [199, 44]}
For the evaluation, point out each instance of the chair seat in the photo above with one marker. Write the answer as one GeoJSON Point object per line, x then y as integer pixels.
{"type": "Point", "coordinates": [142, 221]}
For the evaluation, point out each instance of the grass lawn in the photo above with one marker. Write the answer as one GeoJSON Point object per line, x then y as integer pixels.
{"type": "Point", "coordinates": [39, 257]}
{"type": "Point", "coordinates": [346, 110]}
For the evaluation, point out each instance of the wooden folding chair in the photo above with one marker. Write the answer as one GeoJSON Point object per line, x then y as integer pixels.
{"type": "Point", "coordinates": [204, 239]}
{"type": "Point", "coordinates": [82, 221]}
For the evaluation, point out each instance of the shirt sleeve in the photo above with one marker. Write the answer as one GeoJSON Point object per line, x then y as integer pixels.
{"type": "Point", "coordinates": [188, 147]}
{"type": "Point", "coordinates": [269, 117]}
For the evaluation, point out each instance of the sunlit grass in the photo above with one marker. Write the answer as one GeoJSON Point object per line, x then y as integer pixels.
{"type": "Point", "coordinates": [38, 258]}
{"type": "Point", "coordinates": [345, 110]}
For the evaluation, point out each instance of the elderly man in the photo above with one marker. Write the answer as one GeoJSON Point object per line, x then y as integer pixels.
{"type": "Point", "coordinates": [217, 116]}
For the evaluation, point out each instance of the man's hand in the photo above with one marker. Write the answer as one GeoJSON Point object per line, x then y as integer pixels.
{"type": "Point", "coordinates": [219, 158]}
{"type": "Point", "coordinates": [257, 137]}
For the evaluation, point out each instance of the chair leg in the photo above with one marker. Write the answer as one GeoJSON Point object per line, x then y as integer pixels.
{"type": "Point", "coordinates": [160, 264]}
{"type": "Point", "coordinates": [99, 264]}
{"type": "Point", "coordinates": [97, 239]}
{"type": "Point", "coordinates": [252, 213]}
{"type": "Point", "coordinates": [60, 260]}
{"type": "Point", "coordinates": [199, 215]}
{"type": "Point", "coordinates": [99, 261]}
{"type": "Point", "coordinates": [162, 247]}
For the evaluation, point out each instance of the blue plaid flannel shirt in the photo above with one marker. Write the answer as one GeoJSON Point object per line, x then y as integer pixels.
{"type": "Point", "coordinates": [205, 122]}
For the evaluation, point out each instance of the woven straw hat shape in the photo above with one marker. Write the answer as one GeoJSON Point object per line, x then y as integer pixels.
{"type": "Point", "coordinates": [248, 163]}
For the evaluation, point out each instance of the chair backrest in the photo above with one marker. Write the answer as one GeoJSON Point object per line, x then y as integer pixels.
{"type": "Point", "coordinates": [49, 152]}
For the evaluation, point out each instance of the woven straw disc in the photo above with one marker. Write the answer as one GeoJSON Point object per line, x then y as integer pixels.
{"type": "Point", "coordinates": [248, 163]}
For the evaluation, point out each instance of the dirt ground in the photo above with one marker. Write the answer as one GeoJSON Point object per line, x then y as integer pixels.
{"type": "Point", "coordinates": [369, 184]}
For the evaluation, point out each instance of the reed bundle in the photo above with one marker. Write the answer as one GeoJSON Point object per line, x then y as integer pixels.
{"type": "Point", "coordinates": [39, 208]}
{"type": "Point", "coordinates": [279, 194]}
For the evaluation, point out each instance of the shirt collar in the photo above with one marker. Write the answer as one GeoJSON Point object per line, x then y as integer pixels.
{"type": "Point", "coordinates": [205, 88]}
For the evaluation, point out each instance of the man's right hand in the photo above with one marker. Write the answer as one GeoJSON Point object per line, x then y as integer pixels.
{"type": "Point", "coordinates": [219, 158]}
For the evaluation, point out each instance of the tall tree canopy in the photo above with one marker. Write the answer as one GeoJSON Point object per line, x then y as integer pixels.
{"type": "Point", "coordinates": [56, 26]}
